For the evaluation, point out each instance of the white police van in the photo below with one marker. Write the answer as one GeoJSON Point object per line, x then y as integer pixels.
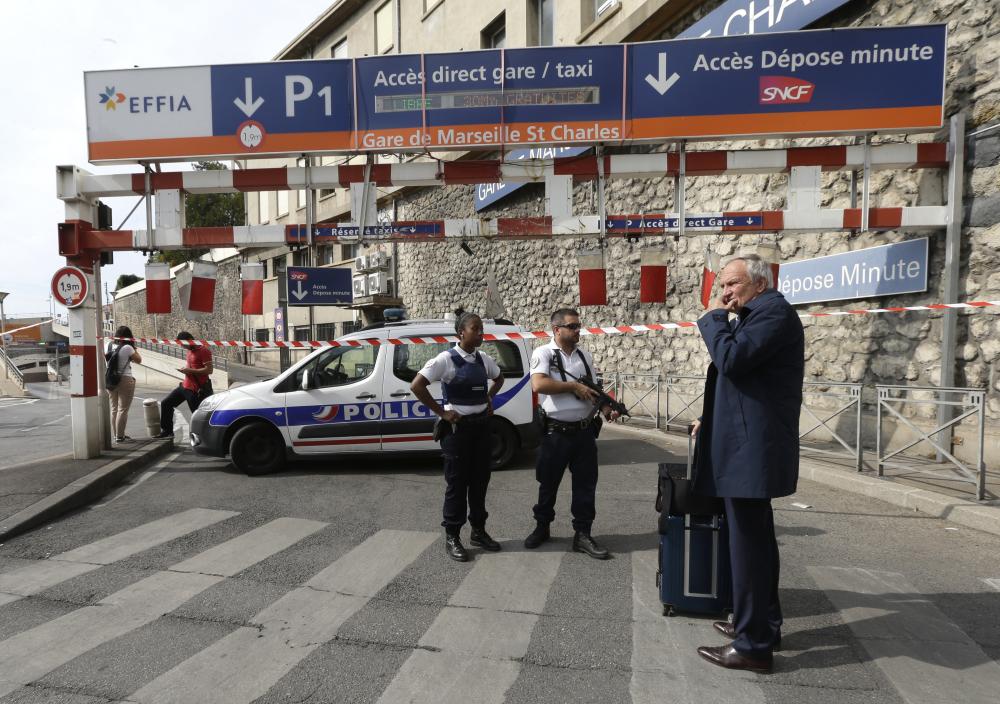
{"type": "Point", "coordinates": [358, 399]}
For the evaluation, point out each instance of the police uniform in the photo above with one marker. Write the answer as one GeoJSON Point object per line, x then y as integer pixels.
{"type": "Point", "coordinates": [569, 440]}
{"type": "Point", "coordinates": [465, 379]}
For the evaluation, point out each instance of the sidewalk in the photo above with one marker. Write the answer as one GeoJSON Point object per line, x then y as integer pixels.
{"type": "Point", "coordinates": [921, 491]}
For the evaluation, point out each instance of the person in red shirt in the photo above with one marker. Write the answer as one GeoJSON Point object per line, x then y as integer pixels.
{"type": "Point", "coordinates": [196, 386]}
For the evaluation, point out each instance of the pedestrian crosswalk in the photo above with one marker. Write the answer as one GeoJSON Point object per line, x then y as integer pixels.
{"type": "Point", "coordinates": [475, 643]}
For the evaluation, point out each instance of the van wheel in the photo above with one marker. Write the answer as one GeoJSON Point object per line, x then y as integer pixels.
{"type": "Point", "coordinates": [257, 449]}
{"type": "Point", "coordinates": [504, 444]}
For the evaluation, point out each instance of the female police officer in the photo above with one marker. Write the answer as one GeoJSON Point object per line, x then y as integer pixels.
{"type": "Point", "coordinates": [463, 373]}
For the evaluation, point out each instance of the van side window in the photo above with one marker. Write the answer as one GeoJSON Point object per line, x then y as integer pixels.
{"type": "Point", "coordinates": [507, 355]}
{"type": "Point", "coordinates": [408, 360]}
{"type": "Point", "coordinates": [339, 366]}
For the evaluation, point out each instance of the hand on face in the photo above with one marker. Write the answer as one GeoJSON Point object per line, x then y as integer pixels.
{"type": "Point", "coordinates": [738, 288]}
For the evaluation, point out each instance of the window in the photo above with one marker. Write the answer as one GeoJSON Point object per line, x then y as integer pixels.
{"type": "Point", "coordinates": [264, 263]}
{"type": "Point", "coordinates": [339, 50]}
{"type": "Point", "coordinates": [431, 4]}
{"type": "Point", "coordinates": [282, 203]}
{"type": "Point", "coordinates": [351, 326]}
{"type": "Point", "coordinates": [348, 251]}
{"type": "Point", "coordinates": [326, 331]}
{"type": "Point", "coordinates": [326, 192]}
{"type": "Point", "coordinates": [302, 333]}
{"type": "Point", "coordinates": [540, 22]}
{"type": "Point", "coordinates": [407, 360]}
{"type": "Point", "coordinates": [384, 27]}
{"type": "Point", "coordinates": [300, 257]}
{"type": "Point", "coordinates": [602, 6]}
{"type": "Point", "coordinates": [324, 254]}
{"type": "Point", "coordinates": [507, 356]}
{"type": "Point", "coordinates": [262, 334]}
{"type": "Point", "coordinates": [495, 34]}
{"type": "Point", "coordinates": [339, 366]}
{"type": "Point", "coordinates": [300, 199]}
{"type": "Point", "coordinates": [264, 206]}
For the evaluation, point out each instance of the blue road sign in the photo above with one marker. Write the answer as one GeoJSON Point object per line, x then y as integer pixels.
{"type": "Point", "coordinates": [888, 270]}
{"type": "Point", "coordinates": [279, 325]}
{"type": "Point", "coordinates": [430, 228]}
{"type": "Point", "coordinates": [489, 193]}
{"type": "Point", "coordinates": [821, 81]}
{"type": "Point", "coordinates": [316, 286]}
{"type": "Point", "coordinates": [716, 221]}
{"type": "Point", "coordinates": [760, 16]}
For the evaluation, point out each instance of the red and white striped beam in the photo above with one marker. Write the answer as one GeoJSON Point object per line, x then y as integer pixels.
{"type": "Point", "coordinates": [537, 334]}
{"type": "Point", "coordinates": [75, 183]}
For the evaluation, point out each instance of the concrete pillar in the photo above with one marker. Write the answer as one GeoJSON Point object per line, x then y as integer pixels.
{"type": "Point", "coordinates": [83, 386]}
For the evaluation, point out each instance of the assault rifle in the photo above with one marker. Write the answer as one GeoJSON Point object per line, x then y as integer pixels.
{"type": "Point", "coordinates": [603, 398]}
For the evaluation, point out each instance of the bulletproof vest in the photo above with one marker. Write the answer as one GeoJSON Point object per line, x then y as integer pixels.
{"type": "Point", "coordinates": [468, 388]}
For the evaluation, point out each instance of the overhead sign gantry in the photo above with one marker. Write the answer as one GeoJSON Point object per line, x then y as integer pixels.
{"type": "Point", "coordinates": [822, 81]}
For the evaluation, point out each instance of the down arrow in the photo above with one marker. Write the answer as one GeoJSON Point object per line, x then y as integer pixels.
{"type": "Point", "coordinates": [298, 292]}
{"type": "Point", "coordinates": [248, 105]}
{"type": "Point", "coordinates": [661, 84]}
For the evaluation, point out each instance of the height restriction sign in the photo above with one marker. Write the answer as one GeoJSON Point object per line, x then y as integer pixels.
{"type": "Point", "coordinates": [70, 287]}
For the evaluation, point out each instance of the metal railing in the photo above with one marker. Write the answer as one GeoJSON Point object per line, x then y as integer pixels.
{"type": "Point", "coordinates": [10, 369]}
{"type": "Point", "coordinates": [848, 396]}
{"type": "Point", "coordinates": [641, 395]}
{"type": "Point", "coordinates": [689, 392]}
{"type": "Point", "coordinates": [968, 402]}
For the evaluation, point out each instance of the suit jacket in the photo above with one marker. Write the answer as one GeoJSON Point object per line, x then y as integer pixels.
{"type": "Point", "coordinates": [748, 445]}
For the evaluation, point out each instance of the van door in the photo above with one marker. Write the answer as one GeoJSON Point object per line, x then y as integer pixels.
{"type": "Point", "coordinates": [406, 423]}
{"type": "Point", "coordinates": [340, 410]}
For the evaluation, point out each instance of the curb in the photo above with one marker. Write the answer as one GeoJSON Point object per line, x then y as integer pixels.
{"type": "Point", "coordinates": [963, 512]}
{"type": "Point", "coordinates": [84, 490]}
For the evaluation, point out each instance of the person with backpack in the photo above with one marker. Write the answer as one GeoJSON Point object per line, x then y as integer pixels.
{"type": "Point", "coordinates": [119, 379]}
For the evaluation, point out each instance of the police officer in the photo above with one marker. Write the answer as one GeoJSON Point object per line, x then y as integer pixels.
{"type": "Point", "coordinates": [570, 434]}
{"type": "Point", "coordinates": [463, 372]}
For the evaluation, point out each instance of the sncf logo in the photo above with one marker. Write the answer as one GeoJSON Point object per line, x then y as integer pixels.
{"type": "Point", "coordinates": [781, 90]}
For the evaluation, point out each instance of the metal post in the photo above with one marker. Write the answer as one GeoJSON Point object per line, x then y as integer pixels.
{"type": "Point", "coordinates": [952, 265]}
{"type": "Point", "coordinates": [310, 220]}
{"type": "Point", "coordinates": [680, 188]}
{"type": "Point", "coordinates": [859, 390]}
{"type": "Point", "coordinates": [284, 356]}
{"type": "Point", "coordinates": [866, 184]}
{"type": "Point", "coordinates": [3, 334]}
{"type": "Point", "coordinates": [878, 431]}
{"type": "Point", "coordinates": [980, 459]}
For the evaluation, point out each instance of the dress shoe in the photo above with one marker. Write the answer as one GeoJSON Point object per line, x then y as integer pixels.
{"type": "Point", "coordinates": [727, 656]}
{"type": "Point", "coordinates": [582, 542]}
{"type": "Point", "coordinates": [538, 536]}
{"type": "Point", "coordinates": [726, 628]}
{"type": "Point", "coordinates": [481, 539]}
{"type": "Point", "coordinates": [456, 551]}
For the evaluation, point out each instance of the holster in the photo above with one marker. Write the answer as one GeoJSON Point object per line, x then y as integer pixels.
{"type": "Point", "coordinates": [442, 429]}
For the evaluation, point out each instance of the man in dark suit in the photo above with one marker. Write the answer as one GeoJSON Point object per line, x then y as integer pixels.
{"type": "Point", "coordinates": [747, 448]}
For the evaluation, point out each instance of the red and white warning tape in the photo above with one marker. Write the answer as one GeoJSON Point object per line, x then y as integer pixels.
{"type": "Point", "coordinates": [536, 334]}
{"type": "Point", "coordinates": [26, 327]}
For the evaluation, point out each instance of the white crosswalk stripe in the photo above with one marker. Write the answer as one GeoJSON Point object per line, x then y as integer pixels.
{"type": "Point", "coordinates": [245, 664]}
{"type": "Point", "coordinates": [664, 651]}
{"type": "Point", "coordinates": [37, 651]}
{"type": "Point", "coordinates": [925, 655]}
{"type": "Point", "coordinates": [475, 645]}
{"type": "Point", "coordinates": [34, 578]}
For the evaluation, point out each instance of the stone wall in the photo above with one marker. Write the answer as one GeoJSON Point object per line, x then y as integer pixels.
{"type": "Point", "coordinates": [536, 277]}
{"type": "Point", "coordinates": [225, 323]}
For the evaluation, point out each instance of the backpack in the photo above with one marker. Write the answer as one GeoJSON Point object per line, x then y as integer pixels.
{"type": "Point", "coordinates": [112, 375]}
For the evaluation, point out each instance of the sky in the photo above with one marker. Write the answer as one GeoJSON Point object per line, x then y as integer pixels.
{"type": "Point", "coordinates": [44, 49]}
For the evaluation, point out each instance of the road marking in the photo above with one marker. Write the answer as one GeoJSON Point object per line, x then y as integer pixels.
{"type": "Point", "coordinates": [245, 664]}
{"type": "Point", "coordinates": [995, 583]}
{"type": "Point", "coordinates": [17, 402]}
{"type": "Point", "coordinates": [145, 476]}
{"type": "Point", "coordinates": [925, 655]}
{"type": "Point", "coordinates": [37, 577]}
{"type": "Point", "coordinates": [474, 647]}
{"type": "Point", "coordinates": [35, 652]}
{"type": "Point", "coordinates": [51, 422]}
{"type": "Point", "coordinates": [665, 650]}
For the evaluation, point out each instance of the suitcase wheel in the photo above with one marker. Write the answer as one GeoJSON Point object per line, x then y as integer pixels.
{"type": "Point", "coordinates": [668, 610]}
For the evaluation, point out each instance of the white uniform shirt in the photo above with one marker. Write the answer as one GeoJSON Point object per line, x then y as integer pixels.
{"type": "Point", "coordinates": [565, 407]}
{"type": "Point", "coordinates": [442, 368]}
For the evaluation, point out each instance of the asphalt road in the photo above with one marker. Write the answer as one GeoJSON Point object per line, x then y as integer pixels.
{"type": "Point", "coordinates": [329, 583]}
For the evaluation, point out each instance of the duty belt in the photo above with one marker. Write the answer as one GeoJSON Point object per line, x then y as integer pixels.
{"type": "Point", "coordinates": [561, 426]}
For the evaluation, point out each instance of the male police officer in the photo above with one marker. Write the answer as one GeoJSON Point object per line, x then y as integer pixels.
{"type": "Point", "coordinates": [570, 432]}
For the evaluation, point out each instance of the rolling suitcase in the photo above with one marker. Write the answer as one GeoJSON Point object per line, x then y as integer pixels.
{"type": "Point", "coordinates": [694, 574]}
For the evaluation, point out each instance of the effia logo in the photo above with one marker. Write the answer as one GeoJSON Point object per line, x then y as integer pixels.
{"type": "Point", "coordinates": [110, 99]}
{"type": "Point", "coordinates": [782, 90]}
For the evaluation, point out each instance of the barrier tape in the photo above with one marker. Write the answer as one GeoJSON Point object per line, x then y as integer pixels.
{"type": "Point", "coordinates": [537, 334]}
{"type": "Point", "coordinates": [27, 327]}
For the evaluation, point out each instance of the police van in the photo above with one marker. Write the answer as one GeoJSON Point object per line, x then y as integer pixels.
{"type": "Point", "coordinates": [358, 399]}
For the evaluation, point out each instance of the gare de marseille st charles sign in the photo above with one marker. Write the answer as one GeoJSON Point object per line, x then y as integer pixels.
{"type": "Point", "coordinates": [812, 82]}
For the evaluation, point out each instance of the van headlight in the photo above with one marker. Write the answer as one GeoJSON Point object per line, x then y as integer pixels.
{"type": "Point", "coordinates": [212, 402]}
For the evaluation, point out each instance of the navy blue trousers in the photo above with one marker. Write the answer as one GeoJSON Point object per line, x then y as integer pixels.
{"type": "Point", "coordinates": [578, 450]}
{"type": "Point", "coordinates": [467, 473]}
{"type": "Point", "coordinates": [753, 553]}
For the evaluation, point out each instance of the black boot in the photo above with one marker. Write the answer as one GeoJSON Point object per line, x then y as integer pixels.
{"type": "Point", "coordinates": [582, 542]}
{"type": "Point", "coordinates": [454, 548]}
{"type": "Point", "coordinates": [481, 539]}
{"type": "Point", "coordinates": [538, 536]}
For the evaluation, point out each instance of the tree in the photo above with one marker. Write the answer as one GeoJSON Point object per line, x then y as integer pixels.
{"type": "Point", "coordinates": [126, 280]}
{"type": "Point", "coordinates": [207, 210]}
